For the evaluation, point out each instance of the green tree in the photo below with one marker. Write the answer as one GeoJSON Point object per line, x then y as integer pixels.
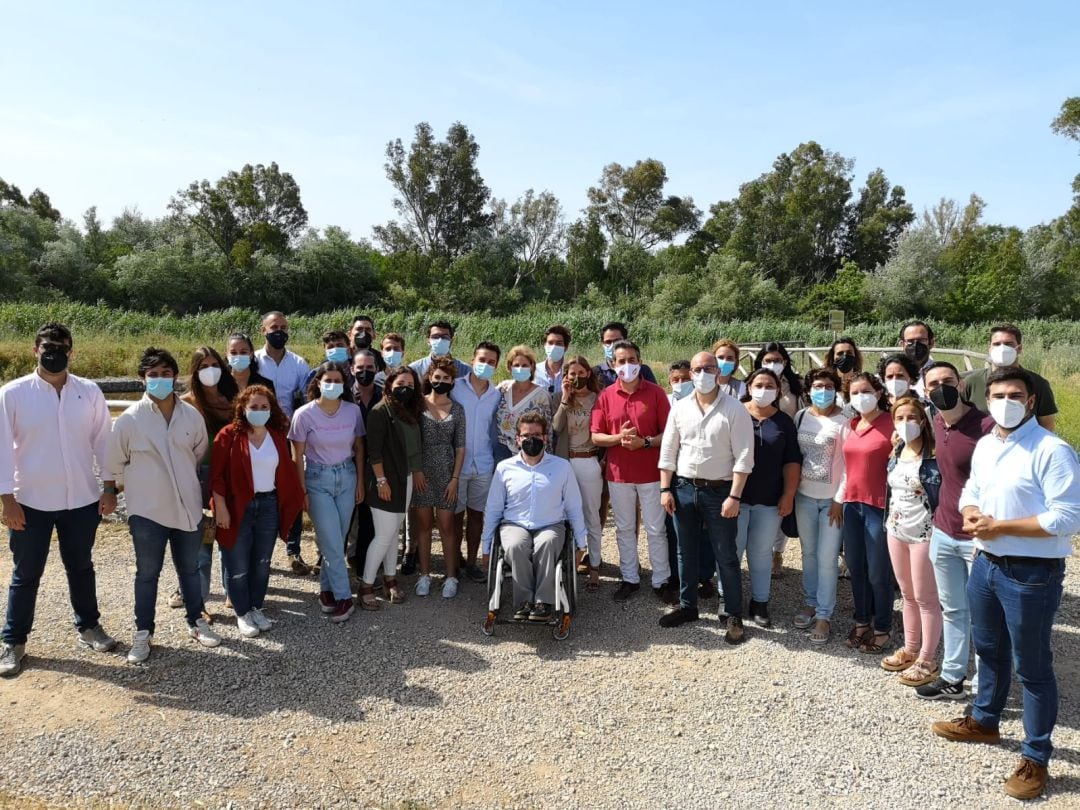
{"type": "Point", "coordinates": [182, 277]}
{"type": "Point", "coordinates": [536, 225]}
{"type": "Point", "coordinates": [875, 221]}
{"type": "Point", "coordinates": [728, 289]}
{"type": "Point", "coordinates": [630, 205]}
{"type": "Point", "coordinates": [585, 249]}
{"type": "Point", "coordinates": [23, 239]}
{"type": "Point", "coordinates": [848, 290]}
{"type": "Point", "coordinates": [912, 282]}
{"type": "Point", "coordinates": [441, 197]}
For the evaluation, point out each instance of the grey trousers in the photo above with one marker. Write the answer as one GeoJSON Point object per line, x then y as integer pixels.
{"type": "Point", "coordinates": [534, 556]}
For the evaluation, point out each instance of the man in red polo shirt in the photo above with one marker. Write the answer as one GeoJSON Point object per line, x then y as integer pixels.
{"type": "Point", "coordinates": [628, 419]}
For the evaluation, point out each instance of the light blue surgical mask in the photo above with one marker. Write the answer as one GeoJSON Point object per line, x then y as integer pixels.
{"type": "Point", "coordinates": [822, 397]}
{"type": "Point", "coordinates": [257, 418]}
{"type": "Point", "coordinates": [521, 373]}
{"type": "Point", "coordinates": [555, 353]}
{"type": "Point", "coordinates": [239, 362]}
{"type": "Point", "coordinates": [159, 387]}
{"type": "Point", "coordinates": [681, 389]}
{"type": "Point", "coordinates": [483, 371]}
{"type": "Point", "coordinates": [726, 367]}
{"type": "Point", "coordinates": [331, 390]}
{"type": "Point", "coordinates": [440, 346]}
{"type": "Point", "coordinates": [609, 352]}
{"type": "Point", "coordinates": [392, 358]}
{"type": "Point", "coordinates": [338, 354]}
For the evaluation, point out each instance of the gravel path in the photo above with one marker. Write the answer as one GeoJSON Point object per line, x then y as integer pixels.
{"type": "Point", "coordinates": [413, 707]}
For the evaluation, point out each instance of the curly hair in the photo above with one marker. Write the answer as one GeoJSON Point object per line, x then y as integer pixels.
{"type": "Point", "coordinates": [444, 364]}
{"type": "Point", "coordinates": [278, 419]}
{"type": "Point", "coordinates": [902, 360]}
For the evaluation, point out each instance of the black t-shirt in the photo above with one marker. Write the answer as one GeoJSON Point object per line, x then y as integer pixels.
{"type": "Point", "coordinates": [1044, 394]}
{"type": "Point", "coordinates": [776, 443]}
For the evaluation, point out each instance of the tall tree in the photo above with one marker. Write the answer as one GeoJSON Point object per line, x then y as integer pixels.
{"type": "Point", "coordinates": [629, 203]}
{"type": "Point", "coordinates": [441, 197]}
{"type": "Point", "coordinates": [875, 221]}
{"type": "Point", "coordinates": [585, 248]}
{"type": "Point", "coordinates": [535, 223]}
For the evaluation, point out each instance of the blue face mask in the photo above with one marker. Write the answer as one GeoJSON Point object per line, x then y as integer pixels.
{"type": "Point", "coordinates": [257, 418]}
{"type": "Point", "coordinates": [521, 373]}
{"type": "Point", "coordinates": [239, 362]}
{"type": "Point", "coordinates": [726, 367]}
{"type": "Point", "coordinates": [555, 353]}
{"type": "Point", "coordinates": [483, 371]}
{"type": "Point", "coordinates": [440, 347]}
{"type": "Point", "coordinates": [681, 389]}
{"type": "Point", "coordinates": [392, 358]}
{"type": "Point", "coordinates": [331, 390]}
{"type": "Point", "coordinates": [822, 397]}
{"type": "Point", "coordinates": [609, 352]}
{"type": "Point", "coordinates": [338, 354]}
{"type": "Point", "coordinates": [159, 387]}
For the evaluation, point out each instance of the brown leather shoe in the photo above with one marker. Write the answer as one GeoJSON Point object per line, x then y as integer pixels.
{"type": "Point", "coordinates": [965, 729]}
{"type": "Point", "coordinates": [1028, 781]}
{"type": "Point", "coordinates": [735, 633]}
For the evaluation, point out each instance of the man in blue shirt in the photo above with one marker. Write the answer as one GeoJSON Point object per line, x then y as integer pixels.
{"type": "Point", "coordinates": [532, 495]}
{"type": "Point", "coordinates": [611, 334]}
{"type": "Point", "coordinates": [441, 340]}
{"type": "Point", "coordinates": [1022, 506]}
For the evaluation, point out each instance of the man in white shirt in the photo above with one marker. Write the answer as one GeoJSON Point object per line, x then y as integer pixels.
{"type": "Point", "coordinates": [53, 427]}
{"type": "Point", "coordinates": [1021, 503]}
{"type": "Point", "coordinates": [154, 453]}
{"type": "Point", "coordinates": [706, 455]}
{"type": "Point", "coordinates": [287, 371]}
{"type": "Point", "coordinates": [532, 496]}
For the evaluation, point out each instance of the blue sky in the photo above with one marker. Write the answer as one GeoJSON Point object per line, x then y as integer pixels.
{"type": "Point", "coordinates": [121, 104]}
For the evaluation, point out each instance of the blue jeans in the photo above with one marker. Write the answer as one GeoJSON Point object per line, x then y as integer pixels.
{"type": "Point", "coordinates": [867, 552]}
{"type": "Point", "coordinates": [248, 560]}
{"type": "Point", "coordinates": [952, 567]}
{"type": "Point", "coordinates": [331, 490]}
{"type": "Point", "coordinates": [758, 527]}
{"type": "Point", "coordinates": [206, 569]}
{"type": "Point", "coordinates": [820, 542]}
{"type": "Point", "coordinates": [75, 531]}
{"type": "Point", "coordinates": [1012, 612]}
{"type": "Point", "coordinates": [150, 539]}
{"type": "Point", "coordinates": [697, 523]}
{"type": "Point", "coordinates": [292, 542]}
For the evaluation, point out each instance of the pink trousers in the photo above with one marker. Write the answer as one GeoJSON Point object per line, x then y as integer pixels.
{"type": "Point", "coordinates": [922, 610]}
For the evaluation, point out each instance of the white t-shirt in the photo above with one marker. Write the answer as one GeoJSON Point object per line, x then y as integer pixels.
{"type": "Point", "coordinates": [821, 440]}
{"type": "Point", "coordinates": [264, 461]}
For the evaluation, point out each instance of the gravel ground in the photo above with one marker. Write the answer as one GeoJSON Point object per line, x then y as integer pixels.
{"type": "Point", "coordinates": [413, 707]}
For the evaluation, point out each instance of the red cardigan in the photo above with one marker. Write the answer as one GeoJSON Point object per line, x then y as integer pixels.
{"type": "Point", "coordinates": [230, 477]}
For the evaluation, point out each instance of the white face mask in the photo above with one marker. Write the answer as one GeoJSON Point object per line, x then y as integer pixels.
{"type": "Point", "coordinates": [628, 372]}
{"type": "Point", "coordinates": [896, 387]}
{"type": "Point", "coordinates": [775, 368]}
{"type": "Point", "coordinates": [1002, 355]}
{"type": "Point", "coordinates": [908, 431]}
{"type": "Point", "coordinates": [210, 375]}
{"type": "Point", "coordinates": [704, 383]}
{"type": "Point", "coordinates": [763, 396]}
{"type": "Point", "coordinates": [1008, 412]}
{"type": "Point", "coordinates": [864, 403]}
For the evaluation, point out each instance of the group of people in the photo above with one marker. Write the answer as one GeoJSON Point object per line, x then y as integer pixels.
{"type": "Point", "coordinates": [952, 488]}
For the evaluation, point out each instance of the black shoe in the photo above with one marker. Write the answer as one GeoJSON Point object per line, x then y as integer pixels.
{"type": "Point", "coordinates": [475, 573]}
{"type": "Point", "coordinates": [624, 591]}
{"type": "Point", "coordinates": [705, 589]}
{"type": "Point", "coordinates": [541, 612]}
{"type": "Point", "coordinates": [735, 633]}
{"type": "Point", "coordinates": [522, 613]}
{"type": "Point", "coordinates": [759, 613]}
{"type": "Point", "coordinates": [666, 593]}
{"type": "Point", "coordinates": [677, 616]}
{"type": "Point", "coordinates": [409, 563]}
{"type": "Point", "coordinates": [942, 689]}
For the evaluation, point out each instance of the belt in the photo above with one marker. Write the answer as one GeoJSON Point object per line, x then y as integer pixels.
{"type": "Point", "coordinates": [1012, 559]}
{"type": "Point", "coordinates": [584, 453]}
{"type": "Point", "coordinates": [707, 483]}
{"type": "Point", "coordinates": [269, 494]}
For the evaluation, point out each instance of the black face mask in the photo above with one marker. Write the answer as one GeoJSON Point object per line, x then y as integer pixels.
{"type": "Point", "coordinates": [441, 387]}
{"type": "Point", "coordinates": [945, 397]}
{"type": "Point", "coordinates": [53, 361]}
{"type": "Point", "coordinates": [365, 377]}
{"type": "Point", "coordinates": [278, 339]}
{"type": "Point", "coordinates": [532, 446]}
{"type": "Point", "coordinates": [580, 382]}
{"type": "Point", "coordinates": [404, 394]}
{"type": "Point", "coordinates": [917, 352]}
{"type": "Point", "coordinates": [844, 363]}
{"type": "Point", "coordinates": [362, 340]}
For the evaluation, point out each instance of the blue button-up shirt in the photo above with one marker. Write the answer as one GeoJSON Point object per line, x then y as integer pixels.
{"type": "Point", "coordinates": [288, 376]}
{"type": "Point", "coordinates": [422, 365]}
{"type": "Point", "coordinates": [533, 496]}
{"type": "Point", "coordinates": [481, 427]}
{"type": "Point", "coordinates": [1029, 473]}
{"type": "Point", "coordinates": [553, 383]}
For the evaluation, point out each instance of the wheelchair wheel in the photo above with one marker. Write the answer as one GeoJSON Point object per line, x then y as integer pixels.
{"type": "Point", "coordinates": [494, 588]}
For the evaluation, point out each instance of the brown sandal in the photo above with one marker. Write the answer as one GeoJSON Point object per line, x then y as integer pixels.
{"type": "Point", "coordinates": [857, 635]}
{"type": "Point", "coordinates": [394, 595]}
{"type": "Point", "coordinates": [898, 661]}
{"type": "Point", "coordinates": [367, 598]}
{"type": "Point", "coordinates": [920, 673]}
{"type": "Point", "coordinates": [870, 644]}
{"type": "Point", "coordinates": [594, 579]}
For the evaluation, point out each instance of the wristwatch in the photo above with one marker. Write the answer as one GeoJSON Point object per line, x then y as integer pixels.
{"type": "Point", "coordinates": [110, 490]}
{"type": "Point", "coordinates": [648, 441]}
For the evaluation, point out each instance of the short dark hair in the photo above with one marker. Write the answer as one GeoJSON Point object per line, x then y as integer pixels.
{"type": "Point", "coordinates": [823, 373]}
{"type": "Point", "coordinates": [760, 372]}
{"type": "Point", "coordinates": [334, 334]}
{"type": "Point", "coordinates": [53, 332]}
{"type": "Point", "coordinates": [908, 364]}
{"type": "Point", "coordinates": [1011, 374]}
{"type": "Point", "coordinates": [626, 344]}
{"type": "Point", "coordinates": [271, 314]}
{"type": "Point", "coordinates": [532, 418]}
{"type": "Point", "coordinates": [441, 325]}
{"type": "Point", "coordinates": [251, 348]}
{"type": "Point", "coordinates": [313, 390]}
{"type": "Point", "coordinates": [941, 364]}
{"type": "Point", "coordinates": [679, 365]}
{"type": "Point", "coordinates": [617, 326]}
{"type": "Point", "coordinates": [559, 330]}
{"type": "Point", "coordinates": [923, 324]}
{"type": "Point", "coordinates": [157, 357]}
{"type": "Point", "coordinates": [359, 318]}
{"type": "Point", "coordinates": [370, 353]}
{"type": "Point", "coordinates": [1009, 329]}
{"type": "Point", "coordinates": [489, 346]}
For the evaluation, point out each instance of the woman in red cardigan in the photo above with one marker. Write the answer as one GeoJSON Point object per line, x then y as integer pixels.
{"type": "Point", "coordinates": [257, 496]}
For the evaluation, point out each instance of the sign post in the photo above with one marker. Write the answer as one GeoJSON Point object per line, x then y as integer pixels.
{"type": "Point", "coordinates": [836, 322]}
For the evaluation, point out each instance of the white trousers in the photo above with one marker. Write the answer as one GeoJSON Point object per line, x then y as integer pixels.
{"type": "Point", "coordinates": [384, 547]}
{"type": "Point", "coordinates": [624, 502]}
{"type": "Point", "coordinates": [591, 483]}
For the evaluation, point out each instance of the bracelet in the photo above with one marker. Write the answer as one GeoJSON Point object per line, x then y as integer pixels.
{"type": "Point", "coordinates": [110, 490]}
{"type": "Point", "coordinates": [380, 481]}
{"type": "Point", "coordinates": [665, 489]}
{"type": "Point", "coordinates": [453, 478]}
{"type": "Point", "coordinates": [733, 496]}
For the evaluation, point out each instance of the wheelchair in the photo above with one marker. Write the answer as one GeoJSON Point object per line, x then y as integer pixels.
{"type": "Point", "coordinates": [566, 595]}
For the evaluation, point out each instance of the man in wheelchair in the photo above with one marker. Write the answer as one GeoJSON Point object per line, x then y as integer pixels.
{"type": "Point", "coordinates": [532, 497]}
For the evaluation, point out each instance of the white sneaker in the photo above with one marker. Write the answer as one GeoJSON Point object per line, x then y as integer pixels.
{"type": "Point", "coordinates": [449, 588]}
{"type": "Point", "coordinates": [423, 585]}
{"type": "Point", "coordinates": [202, 633]}
{"type": "Point", "coordinates": [140, 646]}
{"type": "Point", "coordinates": [246, 625]}
{"type": "Point", "coordinates": [261, 621]}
